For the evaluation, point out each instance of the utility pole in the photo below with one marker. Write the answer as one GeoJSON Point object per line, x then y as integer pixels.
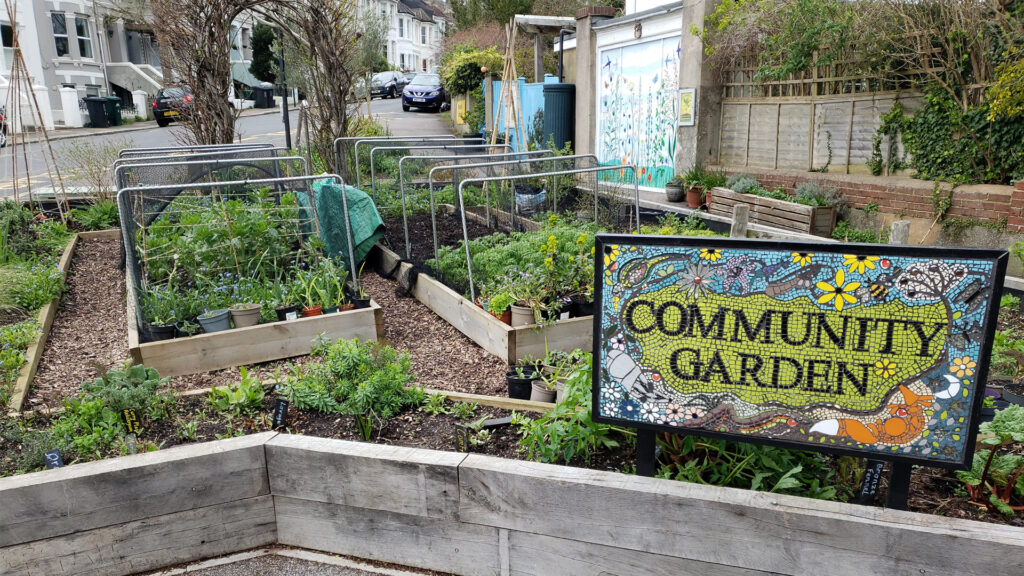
{"type": "Point", "coordinates": [284, 89]}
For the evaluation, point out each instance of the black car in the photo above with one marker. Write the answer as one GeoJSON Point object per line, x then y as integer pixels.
{"type": "Point", "coordinates": [387, 84]}
{"type": "Point", "coordinates": [169, 103]}
{"type": "Point", "coordinates": [425, 91]}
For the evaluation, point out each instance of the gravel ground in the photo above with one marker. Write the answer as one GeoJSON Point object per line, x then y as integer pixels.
{"type": "Point", "coordinates": [442, 357]}
{"type": "Point", "coordinates": [89, 333]}
{"type": "Point", "coordinates": [280, 566]}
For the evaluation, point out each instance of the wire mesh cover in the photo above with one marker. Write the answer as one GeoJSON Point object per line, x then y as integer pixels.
{"type": "Point", "coordinates": [208, 170]}
{"type": "Point", "coordinates": [127, 152]}
{"type": "Point", "coordinates": [193, 157]}
{"type": "Point", "coordinates": [139, 207]}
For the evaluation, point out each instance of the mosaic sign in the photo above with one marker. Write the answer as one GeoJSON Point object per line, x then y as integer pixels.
{"type": "Point", "coordinates": [874, 350]}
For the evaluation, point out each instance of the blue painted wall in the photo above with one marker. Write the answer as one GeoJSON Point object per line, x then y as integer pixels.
{"type": "Point", "coordinates": [531, 99]}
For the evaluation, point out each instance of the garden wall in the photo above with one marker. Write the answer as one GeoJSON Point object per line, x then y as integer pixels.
{"type": "Point", "coordinates": [463, 513]}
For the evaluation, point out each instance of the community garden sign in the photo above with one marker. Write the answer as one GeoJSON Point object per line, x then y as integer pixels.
{"type": "Point", "coordinates": [878, 351]}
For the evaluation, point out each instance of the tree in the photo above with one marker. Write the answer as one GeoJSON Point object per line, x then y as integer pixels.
{"type": "Point", "coordinates": [196, 36]}
{"type": "Point", "coordinates": [263, 65]}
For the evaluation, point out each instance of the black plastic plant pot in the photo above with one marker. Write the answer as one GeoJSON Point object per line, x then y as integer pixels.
{"type": "Point", "coordinates": [579, 308]}
{"type": "Point", "coordinates": [157, 332]}
{"type": "Point", "coordinates": [284, 311]}
{"type": "Point", "coordinates": [519, 388]}
{"type": "Point", "coordinates": [361, 302]}
{"type": "Point", "coordinates": [1013, 396]}
{"type": "Point", "coordinates": [987, 414]}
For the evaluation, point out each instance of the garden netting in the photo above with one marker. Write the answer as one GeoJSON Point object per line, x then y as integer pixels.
{"type": "Point", "coordinates": [175, 171]}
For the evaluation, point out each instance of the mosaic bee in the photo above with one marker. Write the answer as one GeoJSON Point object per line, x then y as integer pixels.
{"type": "Point", "coordinates": [878, 289]}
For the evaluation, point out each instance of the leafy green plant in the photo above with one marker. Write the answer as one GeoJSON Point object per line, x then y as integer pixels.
{"type": "Point", "coordinates": [464, 410]}
{"type": "Point", "coordinates": [479, 435]}
{"type": "Point", "coordinates": [998, 471]}
{"type": "Point", "coordinates": [741, 465]}
{"type": "Point", "coordinates": [843, 231]}
{"type": "Point", "coordinates": [99, 216]}
{"type": "Point", "coordinates": [242, 397]}
{"type": "Point", "coordinates": [33, 287]}
{"type": "Point", "coordinates": [189, 430]}
{"type": "Point", "coordinates": [1009, 301]}
{"type": "Point", "coordinates": [132, 387]}
{"type": "Point", "coordinates": [435, 404]}
{"type": "Point", "coordinates": [14, 341]}
{"type": "Point", "coordinates": [813, 194]}
{"type": "Point", "coordinates": [741, 183]}
{"type": "Point", "coordinates": [567, 433]}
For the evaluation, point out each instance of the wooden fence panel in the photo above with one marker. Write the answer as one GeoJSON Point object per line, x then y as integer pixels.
{"type": "Point", "coordinates": [733, 150]}
{"type": "Point", "coordinates": [794, 125]}
{"type": "Point", "coordinates": [764, 126]}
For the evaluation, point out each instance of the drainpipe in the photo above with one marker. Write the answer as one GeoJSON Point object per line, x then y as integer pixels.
{"type": "Point", "coordinates": [561, 50]}
{"type": "Point", "coordinates": [101, 40]}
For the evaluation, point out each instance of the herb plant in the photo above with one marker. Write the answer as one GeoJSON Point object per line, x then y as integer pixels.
{"type": "Point", "coordinates": [999, 471]}
{"type": "Point", "coordinates": [240, 398]}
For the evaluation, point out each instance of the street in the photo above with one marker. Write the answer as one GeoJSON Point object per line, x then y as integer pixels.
{"type": "Point", "coordinates": [252, 127]}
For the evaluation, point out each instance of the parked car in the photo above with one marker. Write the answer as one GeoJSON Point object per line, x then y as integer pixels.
{"type": "Point", "coordinates": [387, 84]}
{"type": "Point", "coordinates": [410, 75]}
{"type": "Point", "coordinates": [170, 102]}
{"type": "Point", "coordinates": [425, 91]}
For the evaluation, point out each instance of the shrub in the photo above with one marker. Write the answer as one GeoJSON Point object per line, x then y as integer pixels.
{"type": "Point", "coordinates": [99, 216]}
{"type": "Point", "coordinates": [813, 194]}
{"type": "Point", "coordinates": [31, 288]}
{"type": "Point", "coordinates": [242, 397]}
{"type": "Point", "coordinates": [741, 183]}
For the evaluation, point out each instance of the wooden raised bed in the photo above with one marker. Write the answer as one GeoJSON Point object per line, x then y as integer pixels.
{"type": "Point", "coordinates": [508, 343]}
{"type": "Point", "coordinates": [466, 514]}
{"type": "Point", "coordinates": [817, 220]}
{"type": "Point", "coordinates": [241, 346]}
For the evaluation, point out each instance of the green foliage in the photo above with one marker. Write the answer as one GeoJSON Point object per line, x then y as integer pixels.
{"type": "Point", "coordinates": [464, 410]}
{"type": "Point", "coordinates": [435, 405]}
{"type": "Point", "coordinates": [671, 225]}
{"type": "Point", "coordinates": [31, 288]}
{"type": "Point", "coordinates": [14, 341]}
{"type": "Point", "coordinates": [998, 474]}
{"type": "Point", "coordinates": [1009, 301]}
{"type": "Point", "coordinates": [1008, 354]}
{"type": "Point", "coordinates": [742, 465]}
{"type": "Point", "coordinates": [813, 194]}
{"type": "Point", "coordinates": [477, 113]}
{"type": "Point", "coordinates": [16, 238]}
{"type": "Point", "coordinates": [567, 433]}
{"type": "Point", "coordinates": [362, 379]}
{"type": "Point", "coordinates": [460, 67]}
{"type": "Point", "coordinates": [843, 231]}
{"type": "Point", "coordinates": [263, 66]}
{"type": "Point", "coordinates": [741, 183]}
{"type": "Point", "coordinates": [91, 423]}
{"type": "Point", "coordinates": [99, 216]}
{"type": "Point", "coordinates": [240, 398]}
{"type": "Point", "coordinates": [1006, 95]}
{"type": "Point", "coordinates": [948, 144]}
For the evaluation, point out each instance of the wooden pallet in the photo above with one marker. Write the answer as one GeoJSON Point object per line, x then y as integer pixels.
{"type": "Point", "coordinates": [817, 220]}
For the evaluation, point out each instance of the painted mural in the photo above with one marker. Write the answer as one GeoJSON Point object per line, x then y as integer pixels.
{"type": "Point", "coordinates": [877, 352]}
{"type": "Point", "coordinates": [638, 109]}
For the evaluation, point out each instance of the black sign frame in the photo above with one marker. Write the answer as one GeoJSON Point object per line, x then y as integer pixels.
{"type": "Point", "coordinates": [999, 259]}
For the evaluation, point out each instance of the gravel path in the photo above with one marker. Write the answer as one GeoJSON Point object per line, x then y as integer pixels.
{"type": "Point", "coordinates": [89, 333]}
{"type": "Point", "coordinates": [442, 357]}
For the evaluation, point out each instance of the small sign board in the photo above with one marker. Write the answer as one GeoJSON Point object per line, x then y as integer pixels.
{"type": "Point", "coordinates": [280, 412]}
{"type": "Point", "coordinates": [872, 479]}
{"type": "Point", "coordinates": [53, 459]}
{"type": "Point", "coordinates": [131, 420]}
{"type": "Point", "coordinates": [870, 350]}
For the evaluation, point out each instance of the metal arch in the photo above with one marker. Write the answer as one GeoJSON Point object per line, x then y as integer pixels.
{"type": "Point", "coordinates": [224, 154]}
{"type": "Point", "coordinates": [462, 207]}
{"type": "Point", "coordinates": [430, 184]}
{"type": "Point", "coordinates": [359, 139]}
{"type": "Point", "coordinates": [120, 176]}
{"type": "Point", "coordinates": [401, 182]}
{"type": "Point", "coordinates": [198, 148]}
{"type": "Point", "coordinates": [460, 146]}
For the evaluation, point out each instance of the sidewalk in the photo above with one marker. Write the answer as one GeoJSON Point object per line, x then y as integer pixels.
{"type": "Point", "coordinates": [68, 133]}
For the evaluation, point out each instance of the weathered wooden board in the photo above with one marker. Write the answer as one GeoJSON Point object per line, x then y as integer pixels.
{"type": "Point", "coordinates": [434, 544]}
{"type": "Point", "coordinates": [752, 530]}
{"type": "Point", "coordinates": [733, 146]}
{"type": "Point", "coordinates": [260, 343]}
{"type": "Point", "coordinates": [147, 544]}
{"type": "Point", "coordinates": [35, 350]}
{"type": "Point", "coordinates": [388, 478]}
{"type": "Point", "coordinates": [77, 498]}
{"type": "Point", "coordinates": [564, 335]}
{"type": "Point", "coordinates": [794, 126]}
{"type": "Point", "coordinates": [817, 220]}
{"type": "Point", "coordinates": [763, 123]}
{"type": "Point", "coordinates": [538, 555]}
{"type": "Point", "coordinates": [487, 331]}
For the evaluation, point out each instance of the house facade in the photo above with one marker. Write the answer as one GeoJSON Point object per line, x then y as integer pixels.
{"type": "Point", "coordinates": [415, 29]}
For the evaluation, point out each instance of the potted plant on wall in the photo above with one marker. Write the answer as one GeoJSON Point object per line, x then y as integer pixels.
{"type": "Point", "coordinates": [359, 297]}
{"type": "Point", "coordinates": [245, 314]}
{"type": "Point", "coordinates": [499, 306]}
{"type": "Point", "coordinates": [674, 189]}
{"type": "Point", "coordinates": [695, 186]}
{"type": "Point", "coordinates": [215, 320]}
{"type": "Point", "coordinates": [158, 310]}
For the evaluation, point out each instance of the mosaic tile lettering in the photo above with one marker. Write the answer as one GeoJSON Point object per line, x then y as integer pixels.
{"type": "Point", "coordinates": [875, 350]}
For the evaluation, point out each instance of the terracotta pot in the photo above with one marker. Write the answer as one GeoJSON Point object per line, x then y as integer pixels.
{"type": "Point", "coordinates": [539, 392]}
{"type": "Point", "coordinates": [693, 197]}
{"type": "Point", "coordinates": [346, 306]}
{"type": "Point", "coordinates": [313, 311]}
{"type": "Point", "coordinates": [245, 315]}
{"type": "Point", "coordinates": [521, 315]}
{"type": "Point", "coordinates": [505, 316]}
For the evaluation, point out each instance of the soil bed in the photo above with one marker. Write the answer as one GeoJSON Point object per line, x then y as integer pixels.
{"type": "Point", "coordinates": [421, 237]}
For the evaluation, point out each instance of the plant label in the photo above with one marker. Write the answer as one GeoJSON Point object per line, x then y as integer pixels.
{"type": "Point", "coordinates": [873, 351]}
{"type": "Point", "coordinates": [280, 412]}
{"type": "Point", "coordinates": [291, 315]}
{"type": "Point", "coordinates": [869, 487]}
{"type": "Point", "coordinates": [129, 442]}
{"type": "Point", "coordinates": [131, 420]}
{"type": "Point", "coordinates": [461, 438]}
{"type": "Point", "coordinates": [53, 459]}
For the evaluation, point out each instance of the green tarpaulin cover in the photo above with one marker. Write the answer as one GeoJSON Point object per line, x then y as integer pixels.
{"type": "Point", "coordinates": [367, 227]}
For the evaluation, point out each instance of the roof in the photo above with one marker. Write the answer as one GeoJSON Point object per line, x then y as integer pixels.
{"type": "Point", "coordinates": [419, 10]}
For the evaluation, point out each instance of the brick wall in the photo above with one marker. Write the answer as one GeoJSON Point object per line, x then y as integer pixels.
{"type": "Point", "coordinates": [909, 197]}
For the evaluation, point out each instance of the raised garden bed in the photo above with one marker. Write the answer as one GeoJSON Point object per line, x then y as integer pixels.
{"type": "Point", "coordinates": [465, 514]}
{"type": "Point", "coordinates": [817, 220]}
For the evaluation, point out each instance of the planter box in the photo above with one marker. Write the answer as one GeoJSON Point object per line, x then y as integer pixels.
{"type": "Point", "coordinates": [817, 220]}
{"type": "Point", "coordinates": [466, 514]}
{"type": "Point", "coordinates": [508, 343]}
{"type": "Point", "coordinates": [241, 346]}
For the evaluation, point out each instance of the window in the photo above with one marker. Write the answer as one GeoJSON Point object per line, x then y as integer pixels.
{"type": "Point", "coordinates": [92, 90]}
{"type": "Point", "coordinates": [60, 33]}
{"type": "Point", "coordinates": [401, 27]}
{"type": "Point", "coordinates": [7, 34]}
{"type": "Point", "coordinates": [401, 58]}
{"type": "Point", "coordinates": [423, 34]}
{"type": "Point", "coordinates": [84, 38]}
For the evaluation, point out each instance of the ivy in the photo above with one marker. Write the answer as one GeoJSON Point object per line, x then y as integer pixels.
{"type": "Point", "coordinates": [461, 67]}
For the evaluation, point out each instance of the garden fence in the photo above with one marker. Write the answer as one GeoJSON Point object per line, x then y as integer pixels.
{"type": "Point", "coordinates": [189, 149]}
{"type": "Point", "coordinates": [279, 211]}
{"type": "Point", "coordinates": [454, 164]}
{"type": "Point", "coordinates": [213, 170]}
{"type": "Point", "coordinates": [580, 176]}
{"type": "Point", "coordinates": [393, 154]}
{"type": "Point", "coordinates": [347, 147]}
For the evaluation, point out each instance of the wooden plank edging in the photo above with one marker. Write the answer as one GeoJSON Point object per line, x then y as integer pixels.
{"type": "Point", "coordinates": [34, 354]}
